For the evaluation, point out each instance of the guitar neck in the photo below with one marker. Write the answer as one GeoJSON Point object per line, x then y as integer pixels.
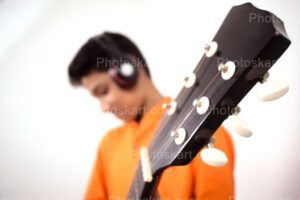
{"type": "Point", "coordinates": [238, 40]}
{"type": "Point", "coordinates": [140, 188]}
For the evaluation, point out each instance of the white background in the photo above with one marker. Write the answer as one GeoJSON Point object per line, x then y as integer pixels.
{"type": "Point", "coordinates": [49, 131]}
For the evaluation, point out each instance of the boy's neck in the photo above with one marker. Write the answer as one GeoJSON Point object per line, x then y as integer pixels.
{"type": "Point", "coordinates": [152, 98]}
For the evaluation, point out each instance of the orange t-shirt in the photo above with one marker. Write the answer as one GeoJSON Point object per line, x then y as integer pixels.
{"type": "Point", "coordinates": [118, 155]}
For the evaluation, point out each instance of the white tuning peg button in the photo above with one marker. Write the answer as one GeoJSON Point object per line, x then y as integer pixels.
{"type": "Point", "coordinates": [228, 70]}
{"type": "Point", "coordinates": [239, 126]}
{"type": "Point", "coordinates": [179, 135]}
{"type": "Point", "coordinates": [214, 157]}
{"type": "Point", "coordinates": [202, 105]}
{"type": "Point", "coordinates": [272, 89]}
{"type": "Point", "coordinates": [189, 80]}
{"type": "Point", "coordinates": [170, 107]}
{"type": "Point", "coordinates": [211, 49]}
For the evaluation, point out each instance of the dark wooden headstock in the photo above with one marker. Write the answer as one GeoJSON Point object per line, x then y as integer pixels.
{"type": "Point", "coordinates": [253, 45]}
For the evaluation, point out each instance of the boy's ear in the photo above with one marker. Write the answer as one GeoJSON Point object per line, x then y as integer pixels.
{"type": "Point", "coordinates": [139, 64]}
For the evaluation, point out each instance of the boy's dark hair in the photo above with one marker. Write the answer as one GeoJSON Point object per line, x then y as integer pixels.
{"type": "Point", "coordinates": [102, 47]}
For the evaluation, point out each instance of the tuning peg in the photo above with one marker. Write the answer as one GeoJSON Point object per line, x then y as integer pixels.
{"type": "Point", "coordinates": [239, 125]}
{"type": "Point", "coordinates": [189, 80]}
{"type": "Point", "coordinates": [202, 105]}
{"type": "Point", "coordinates": [179, 135]}
{"type": "Point", "coordinates": [213, 157]}
{"type": "Point", "coordinates": [210, 49]}
{"type": "Point", "coordinates": [227, 70]}
{"type": "Point", "coordinates": [272, 89]}
{"type": "Point", "coordinates": [170, 107]}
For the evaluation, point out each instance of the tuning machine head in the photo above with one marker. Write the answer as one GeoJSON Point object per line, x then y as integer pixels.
{"type": "Point", "coordinates": [202, 105]}
{"type": "Point", "coordinates": [228, 69]}
{"type": "Point", "coordinates": [179, 135]}
{"type": "Point", "coordinates": [211, 49]}
{"type": "Point", "coordinates": [190, 80]}
{"type": "Point", "coordinates": [212, 156]}
{"type": "Point", "coordinates": [271, 89]}
{"type": "Point", "coordinates": [238, 125]}
{"type": "Point", "coordinates": [170, 107]}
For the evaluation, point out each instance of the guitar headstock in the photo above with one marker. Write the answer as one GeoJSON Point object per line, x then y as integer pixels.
{"type": "Point", "coordinates": [245, 47]}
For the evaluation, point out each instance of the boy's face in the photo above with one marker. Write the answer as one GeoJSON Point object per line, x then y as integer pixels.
{"type": "Point", "coordinates": [124, 104]}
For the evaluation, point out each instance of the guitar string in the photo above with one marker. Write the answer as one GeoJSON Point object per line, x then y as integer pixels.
{"type": "Point", "coordinates": [190, 110]}
{"type": "Point", "coordinates": [164, 120]}
{"type": "Point", "coordinates": [170, 140]}
{"type": "Point", "coordinates": [162, 126]}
